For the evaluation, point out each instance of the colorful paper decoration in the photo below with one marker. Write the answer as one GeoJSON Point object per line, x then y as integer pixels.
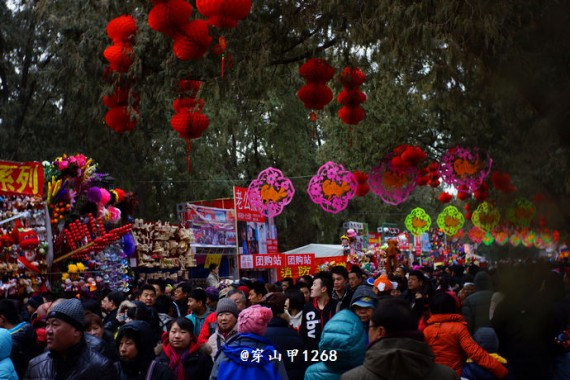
{"type": "Point", "coordinates": [486, 217]}
{"type": "Point", "coordinates": [332, 187]}
{"type": "Point", "coordinates": [392, 185]}
{"type": "Point", "coordinates": [270, 192]}
{"type": "Point", "coordinates": [488, 239]}
{"type": "Point", "coordinates": [521, 213]}
{"type": "Point", "coordinates": [528, 238]}
{"type": "Point", "coordinates": [450, 220]}
{"type": "Point", "coordinates": [501, 236]}
{"type": "Point", "coordinates": [418, 221]}
{"type": "Point", "coordinates": [476, 235]}
{"type": "Point", "coordinates": [465, 167]}
{"type": "Point", "coordinates": [515, 239]}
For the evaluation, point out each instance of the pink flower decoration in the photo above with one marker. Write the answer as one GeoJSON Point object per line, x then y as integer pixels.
{"type": "Point", "coordinates": [270, 192]}
{"type": "Point", "coordinates": [332, 187]}
{"type": "Point", "coordinates": [465, 168]}
{"type": "Point", "coordinates": [393, 185]}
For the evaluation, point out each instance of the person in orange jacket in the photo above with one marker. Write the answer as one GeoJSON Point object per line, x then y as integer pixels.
{"type": "Point", "coordinates": [449, 338]}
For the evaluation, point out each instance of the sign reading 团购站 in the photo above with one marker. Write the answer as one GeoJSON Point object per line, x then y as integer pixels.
{"type": "Point", "coordinates": [26, 178]}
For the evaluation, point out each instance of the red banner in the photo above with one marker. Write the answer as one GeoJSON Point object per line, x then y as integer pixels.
{"type": "Point", "coordinates": [25, 178]}
{"type": "Point", "coordinates": [244, 211]}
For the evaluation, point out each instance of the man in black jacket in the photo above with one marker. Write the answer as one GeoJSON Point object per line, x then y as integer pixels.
{"type": "Point", "coordinates": [110, 305]}
{"type": "Point", "coordinates": [24, 339]}
{"type": "Point", "coordinates": [68, 356]}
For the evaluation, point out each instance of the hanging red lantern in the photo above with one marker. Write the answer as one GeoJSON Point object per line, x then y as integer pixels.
{"type": "Point", "coordinates": [122, 29]}
{"type": "Point", "coordinates": [352, 115]}
{"type": "Point", "coordinates": [119, 57]}
{"type": "Point", "coordinates": [189, 125]}
{"type": "Point", "coordinates": [224, 14]}
{"type": "Point", "coordinates": [445, 197]}
{"type": "Point", "coordinates": [119, 119]}
{"type": "Point", "coordinates": [315, 95]}
{"type": "Point", "coordinates": [351, 98]}
{"type": "Point", "coordinates": [188, 103]}
{"type": "Point", "coordinates": [192, 41]}
{"type": "Point", "coordinates": [168, 17]}
{"type": "Point", "coordinates": [362, 178]}
{"type": "Point", "coordinates": [316, 70]}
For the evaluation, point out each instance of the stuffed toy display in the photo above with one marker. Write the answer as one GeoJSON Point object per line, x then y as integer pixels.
{"type": "Point", "coordinates": [392, 255]}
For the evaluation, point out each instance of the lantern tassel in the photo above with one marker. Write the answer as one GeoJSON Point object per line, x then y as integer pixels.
{"type": "Point", "coordinates": [350, 139]}
{"type": "Point", "coordinates": [188, 149]}
{"type": "Point", "coordinates": [223, 62]}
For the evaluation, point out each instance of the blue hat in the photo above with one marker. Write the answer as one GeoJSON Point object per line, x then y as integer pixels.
{"type": "Point", "coordinates": [366, 302]}
{"type": "Point", "coordinates": [363, 297]}
{"type": "Point", "coordinates": [370, 281]}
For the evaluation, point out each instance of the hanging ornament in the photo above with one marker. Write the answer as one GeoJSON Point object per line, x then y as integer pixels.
{"type": "Point", "coordinates": [486, 217]}
{"type": "Point", "coordinates": [393, 185]}
{"type": "Point", "coordinates": [121, 30]}
{"type": "Point", "coordinates": [332, 187]}
{"type": "Point", "coordinates": [450, 220]}
{"type": "Point", "coordinates": [521, 213]}
{"type": "Point", "coordinates": [351, 97]}
{"type": "Point", "coordinates": [515, 238]}
{"type": "Point", "coordinates": [528, 238]}
{"type": "Point", "coordinates": [502, 182]}
{"type": "Point", "coordinates": [315, 94]}
{"type": "Point", "coordinates": [170, 16]}
{"type": "Point", "coordinates": [464, 167]}
{"type": "Point", "coordinates": [501, 236]}
{"type": "Point", "coordinates": [418, 221]}
{"type": "Point", "coordinates": [488, 239]}
{"type": "Point", "coordinates": [270, 192]}
{"type": "Point", "coordinates": [445, 197]}
{"type": "Point", "coordinates": [476, 235]}
{"type": "Point", "coordinates": [192, 40]}
{"type": "Point", "coordinates": [362, 179]}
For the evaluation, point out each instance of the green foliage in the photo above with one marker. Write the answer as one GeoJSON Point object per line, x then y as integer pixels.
{"type": "Point", "coordinates": [489, 74]}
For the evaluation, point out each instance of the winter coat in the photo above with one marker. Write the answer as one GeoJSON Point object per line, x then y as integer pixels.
{"type": "Point", "coordinates": [295, 320]}
{"type": "Point", "coordinates": [344, 301]}
{"type": "Point", "coordinates": [314, 320]}
{"type": "Point", "coordinates": [198, 322]}
{"type": "Point", "coordinates": [208, 328]}
{"type": "Point", "coordinates": [448, 337]}
{"type": "Point", "coordinates": [476, 307]}
{"type": "Point", "coordinates": [231, 353]}
{"type": "Point", "coordinates": [101, 347]}
{"type": "Point", "coordinates": [81, 363]}
{"type": "Point", "coordinates": [197, 364]}
{"type": "Point", "coordinates": [345, 335]}
{"type": "Point", "coordinates": [217, 341]}
{"type": "Point", "coordinates": [473, 371]}
{"type": "Point", "coordinates": [213, 280]}
{"type": "Point", "coordinates": [284, 338]}
{"type": "Point", "coordinates": [24, 346]}
{"type": "Point", "coordinates": [400, 356]}
{"type": "Point", "coordinates": [7, 370]}
{"type": "Point", "coordinates": [139, 367]}
{"type": "Point", "coordinates": [110, 322]}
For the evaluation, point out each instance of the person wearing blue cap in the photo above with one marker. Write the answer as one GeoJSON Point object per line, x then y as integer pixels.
{"type": "Point", "coordinates": [363, 304]}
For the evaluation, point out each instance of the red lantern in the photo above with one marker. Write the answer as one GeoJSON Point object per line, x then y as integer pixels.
{"type": "Point", "coordinates": [316, 70]}
{"type": "Point", "coordinates": [445, 197]}
{"type": "Point", "coordinates": [189, 125]}
{"type": "Point", "coordinates": [119, 57]}
{"type": "Point", "coordinates": [351, 115]}
{"type": "Point", "coordinates": [122, 29]}
{"type": "Point", "coordinates": [188, 103]}
{"type": "Point", "coordinates": [351, 97]}
{"type": "Point", "coordinates": [119, 119]}
{"type": "Point", "coordinates": [170, 16]}
{"type": "Point", "coordinates": [315, 95]}
{"type": "Point", "coordinates": [192, 41]}
{"type": "Point", "coordinates": [224, 13]}
{"type": "Point", "coordinates": [362, 179]}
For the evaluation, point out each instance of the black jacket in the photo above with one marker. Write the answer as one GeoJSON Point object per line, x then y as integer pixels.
{"type": "Point", "coordinates": [110, 322]}
{"type": "Point", "coordinates": [138, 368]}
{"type": "Point", "coordinates": [24, 347]}
{"type": "Point", "coordinates": [284, 338]}
{"type": "Point", "coordinates": [102, 347]}
{"type": "Point", "coordinates": [82, 363]}
{"type": "Point", "coordinates": [314, 320]}
{"type": "Point", "coordinates": [197, 365]}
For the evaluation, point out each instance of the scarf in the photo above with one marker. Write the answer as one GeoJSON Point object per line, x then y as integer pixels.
{"type": "Point", "coordinates": [176, 360]}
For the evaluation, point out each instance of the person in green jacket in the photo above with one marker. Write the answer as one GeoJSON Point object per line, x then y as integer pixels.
{"type": "Point", "coordinates": [341, 348]}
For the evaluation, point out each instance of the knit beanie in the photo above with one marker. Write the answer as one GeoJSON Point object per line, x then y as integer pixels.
{"type": "Point", "coordinates": [70, 311]}
{"type": "Point", "coordinates": [212, 293]}
{"type": "Point", "coordinates": [254, 320]}
{"type": "Point", "coordinates": [226, 305]}
{"type": "Point", "coordinates": [35, 301]}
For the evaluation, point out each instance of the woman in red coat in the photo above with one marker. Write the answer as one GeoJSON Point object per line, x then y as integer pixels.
{"type": "Point", "coordinates": [448, 337]}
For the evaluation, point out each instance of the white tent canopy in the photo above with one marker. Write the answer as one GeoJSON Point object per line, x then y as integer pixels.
{"type": "Point", "coordinates": [320, 250]}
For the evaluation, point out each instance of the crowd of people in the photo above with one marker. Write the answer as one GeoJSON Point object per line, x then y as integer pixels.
{"type": "Point", "coordinates": [508, 321]}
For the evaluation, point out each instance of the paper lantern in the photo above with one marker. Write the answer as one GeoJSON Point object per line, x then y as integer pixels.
{"type": "Point", "coordinates": [515, 239]}
{"type": "Point", "coordinates": [316, 70]}
{"type": "Point", "coordinates": [521, 213]}
{"type": "Point", "coordinates": [486, 217]}
{"type": "Point", "coordinates": [122, 29]}
{"type": "Point", "coordinates": [476, 235]}
{"type": "Point", "coordinates": [224, 13]}
{"type": "Point", "coordinates": [393, 186]}
{"type": "Point", "coordinates": [119, 119]}
{"type": "Point", "coordinates": [191, 104]}
{"type": "Point", "coordinates": [119, 57]}
{"type": "Point", "coordinates": [445, 197]}
{"type": "Point", "coordinates": [189, 125]}
{"type": "Point", "coordinates": [502, 182]}
{"type": "Point", "coordinates": [351, 78]}
{"type": "Point", "coordinates": [418, 221]}
{"type": "Point", "coordinates": [501, 236]}
{"type": "Point", "coordinates": [168, 17]}
{"type": "Point", "coordinates": [351, 115]}
{"type": "Point", "coordinates": [192, 41]}
{"type": "Point", "coordinates": [315, 95]}
{"type": "Point", "coordinates": [362, 179]}
{"type": "Point", "coordinates": [450, 220]}
{"type": "Point", "coordinates": [332, 187]}
{"type": "Point", "coordinates": [488, 239]}
{"type": "Point", "coordinates": [270, 192]}
{"type": "Point", "coordinates": [464, 167]}
{"type": "Point", "coordinates": [528, 238]}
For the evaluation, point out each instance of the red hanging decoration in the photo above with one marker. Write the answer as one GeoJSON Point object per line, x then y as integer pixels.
{"type": "Point", "coordinates": [315, 94]}
{"type": "Point", "coordinates": [224, 14]}
{"type": "Point", "coordinates": [122, 116]}
{"type": "Point", "coordinates": [351, 97]}
{"type": "Point", "coordinates": [502, 182]}
{"type": "Point", "coordinates": [192, 41]}
{"type": "Point", "coordinates": [362, 179]}
{"type": "Point", "coordinates": [168, 17]}
{"type": "Point", "coordinates": [445, 197]}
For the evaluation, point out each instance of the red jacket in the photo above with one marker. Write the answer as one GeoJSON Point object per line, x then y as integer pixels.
{"type": "Point", "coordinates": [208, 328]}
{"type": "Point", "coordinates": [448, 337]}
